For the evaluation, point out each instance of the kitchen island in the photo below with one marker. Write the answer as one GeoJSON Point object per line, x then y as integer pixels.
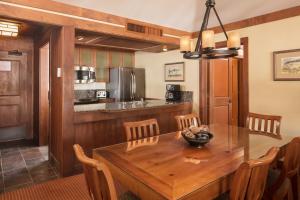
{"type": "Point", "coordinates": [98, 125]}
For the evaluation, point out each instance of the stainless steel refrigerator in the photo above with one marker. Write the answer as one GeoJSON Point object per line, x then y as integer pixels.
{"type": "Point", "coordinates": [126, 84]}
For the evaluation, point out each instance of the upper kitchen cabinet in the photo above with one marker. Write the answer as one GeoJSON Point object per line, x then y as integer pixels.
{"type": "Point", "coordinates": [116, 59]}
{"type": "Point", "coordinates": [102, 64]}
{"type": "Point", "coordinates": [128, 59]}
{"type": "Point", "coordinates": [87, 57]}
{"type": "Point", "coordinates": [102, 59]}
{"type": "Point", "coordinates": [121, 59]}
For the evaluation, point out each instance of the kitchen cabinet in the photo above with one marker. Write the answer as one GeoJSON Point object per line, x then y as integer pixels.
{"type": "Point", "coordinates": [102, 63]}
{"type": "Point", "coordinates": [115, 59]}
{"type": "Point", "coordinates": [87, 57]}
{"type": "Point", "coordinates": [128, 59]}
{"type": "Point", "coordinates": [102, 60]}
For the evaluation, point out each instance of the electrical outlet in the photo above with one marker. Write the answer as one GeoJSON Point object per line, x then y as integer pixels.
{"type": "Point", "coordinates": [58, 72]}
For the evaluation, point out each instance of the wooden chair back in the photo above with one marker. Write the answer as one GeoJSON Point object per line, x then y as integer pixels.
{"type": "Point", "coordinates": [250, 179]}
{"type": "Point", "coordinates": [135, 144]}
{"type": "Point", "coordinates": [141, 129]}
{"type": "Point", "coordinates": [266, 124]}
{"type": "Point", "coordinates": [185, 121]}
{"type": "Point", "coordinates": [98, 177]}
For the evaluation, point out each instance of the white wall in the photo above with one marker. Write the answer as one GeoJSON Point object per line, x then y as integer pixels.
{"type": "Point", "coordinates": [154, 65]}
{"type": "Point", "coordinates": [266, 96]}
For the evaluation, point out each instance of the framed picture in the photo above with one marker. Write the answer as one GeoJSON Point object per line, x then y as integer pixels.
{"type": "Point", "coordinates": [286, 65]}
{"type": "Point", "coordinates": [174, 72]}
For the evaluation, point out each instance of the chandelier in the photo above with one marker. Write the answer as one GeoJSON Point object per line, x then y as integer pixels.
{"type": "Point", "coordinates": [205, 46]}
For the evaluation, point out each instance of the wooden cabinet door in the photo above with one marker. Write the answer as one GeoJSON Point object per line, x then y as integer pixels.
{"type": "Point", "coordinates": [102, 63]}
{"type": "Point", "coordinates": [87, 57]}
{"type": "Point", "coordinates": [223, 91]}
{"type": "Point", "coordinates": [128, 59]}
{"type": "Point", "coordinates": [13, 94]}
{"type": "Point", "coordinates": [115, 59]}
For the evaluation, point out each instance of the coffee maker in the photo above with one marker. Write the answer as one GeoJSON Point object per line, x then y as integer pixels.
{"type": "Point", "coordinates": [173, 92]}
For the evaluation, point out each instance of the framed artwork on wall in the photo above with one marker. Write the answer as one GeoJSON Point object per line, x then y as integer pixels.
{"type": "Point", "coordinates": [174, 72]}
{"type": "Point", "coordinates": [286, 65]}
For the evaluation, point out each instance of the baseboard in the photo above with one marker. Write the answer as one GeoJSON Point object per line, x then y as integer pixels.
{"type": "Point", "coordinates": [55, 163]}
{"type": "Point", "coordinates": [16, 143]}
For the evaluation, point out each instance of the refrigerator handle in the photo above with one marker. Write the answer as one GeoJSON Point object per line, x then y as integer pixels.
{"type": "Point", "coordinates": [134, 85]}
{"type": "Point", "coordinates": [131, 86]}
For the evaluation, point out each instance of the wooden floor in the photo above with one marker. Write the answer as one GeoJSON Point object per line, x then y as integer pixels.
{"type": "Point", "coordinates": [23, 166]}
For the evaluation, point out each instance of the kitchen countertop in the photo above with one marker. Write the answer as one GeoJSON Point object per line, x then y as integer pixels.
{"type": "Point", "coordinates": [122, 106]}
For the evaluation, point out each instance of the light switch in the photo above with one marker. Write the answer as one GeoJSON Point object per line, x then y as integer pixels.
{"type": "Point", "coordinates": [58, 72]}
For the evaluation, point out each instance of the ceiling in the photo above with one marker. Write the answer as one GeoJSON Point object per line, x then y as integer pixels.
{"type": "Point", "coordinates": [184, 15]}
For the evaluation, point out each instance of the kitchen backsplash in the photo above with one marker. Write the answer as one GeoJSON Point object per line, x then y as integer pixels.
{"type": "Point", "coordinates": [85, 94]}
{"type": "Point", "coordinates": [187, 96]}
{"type": "Point", "coordinates": [90, 86]}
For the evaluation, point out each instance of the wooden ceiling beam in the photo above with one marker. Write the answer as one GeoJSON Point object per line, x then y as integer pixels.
{"type": "Point", "coordinates": [274, 16]}
{"type": "Point", "coordinates": [56, 13]}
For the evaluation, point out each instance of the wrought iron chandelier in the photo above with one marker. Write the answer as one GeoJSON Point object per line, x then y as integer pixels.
{"type": "Point", "coordinates": [205, 46]}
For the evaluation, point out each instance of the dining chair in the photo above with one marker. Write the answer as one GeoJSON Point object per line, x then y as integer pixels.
{"type": "Point", "coordinates": [141, 129]}
{"type": "Point", "coordinates": [284, 183]}
{"type": "Point", "coordinates": [135, 144]}
{"type": "Point", "coordinates": [98, 178]}
{"type": "Point", "coordinates": [250, 178]}
{"type": "Point", "coordinates": [185, 121]}
{"type": "Point", "coordinates": [265, 124]}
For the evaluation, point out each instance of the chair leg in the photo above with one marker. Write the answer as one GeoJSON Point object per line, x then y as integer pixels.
{"type": "Point", "coordinates": [295, 186]}
{"type": "Point", "coordinates": [290, 194]}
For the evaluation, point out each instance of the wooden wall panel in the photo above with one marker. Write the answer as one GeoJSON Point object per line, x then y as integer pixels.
{"type": "Point", "coordinates": [62, 96]}
{"type": "Point", "coordinates": [108, 129]}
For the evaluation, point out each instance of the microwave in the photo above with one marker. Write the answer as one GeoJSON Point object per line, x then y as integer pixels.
{"type": "Point", "coordinates": [84, 74]}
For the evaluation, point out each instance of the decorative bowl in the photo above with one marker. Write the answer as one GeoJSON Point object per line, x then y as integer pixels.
{"type": "Point", "coordinates": [198, 139]}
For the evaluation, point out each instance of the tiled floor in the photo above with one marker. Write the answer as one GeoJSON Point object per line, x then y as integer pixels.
{"type": "Point", "coordinates": [24, 166]}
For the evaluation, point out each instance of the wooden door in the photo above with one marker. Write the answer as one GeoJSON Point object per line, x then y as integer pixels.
{"type": "Point", "coordinates": [223, 91]}
{"type": "Point", "coordinates": [14, 117]}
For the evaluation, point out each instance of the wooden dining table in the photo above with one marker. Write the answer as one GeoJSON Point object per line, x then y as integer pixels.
{"type": "Point", "coordinates": [167, 167]}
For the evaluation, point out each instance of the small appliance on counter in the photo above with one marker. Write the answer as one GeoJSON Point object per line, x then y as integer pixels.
{"type": "Point", "coordinates": [101, 94]}
{"type": "Point", "coordinates": [84, 74]}
{"type": "Point", "coordinates": [173, 92]}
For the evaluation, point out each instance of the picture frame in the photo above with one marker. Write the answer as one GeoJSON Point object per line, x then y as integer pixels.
{"type": "Point", "coordinates": [286, 65]}
{"type": "Point", "coordinates": [174, 72]}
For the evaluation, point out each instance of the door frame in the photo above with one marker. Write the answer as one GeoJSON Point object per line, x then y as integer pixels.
{"type": "Point", "coordinates": [39, 41]}
{"type": "Point", "coordinates": [243, 79]}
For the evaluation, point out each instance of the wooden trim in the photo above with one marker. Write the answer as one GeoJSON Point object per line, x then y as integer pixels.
{"type": "Point", "coordinates": [51, 12]}
{"type": "Point", "coordinates": [243, 93]}
{"type": "Point", "coordinates": [270, 17]}
{"type": "Point", "coordinates": [40, 40]}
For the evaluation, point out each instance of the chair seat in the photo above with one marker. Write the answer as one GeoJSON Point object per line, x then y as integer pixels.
{"type": "Point", "coordinates": [281, 193]}
{"type": "Point", "coordinates": [70, 188]}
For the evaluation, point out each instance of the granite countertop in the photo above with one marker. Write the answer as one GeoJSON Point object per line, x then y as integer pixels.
{"type": "Point", "coordinates": [122, 106]}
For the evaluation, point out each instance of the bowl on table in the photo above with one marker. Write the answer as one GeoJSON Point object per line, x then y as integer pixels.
{"type": "Point", "coordinates": [197, 136]}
